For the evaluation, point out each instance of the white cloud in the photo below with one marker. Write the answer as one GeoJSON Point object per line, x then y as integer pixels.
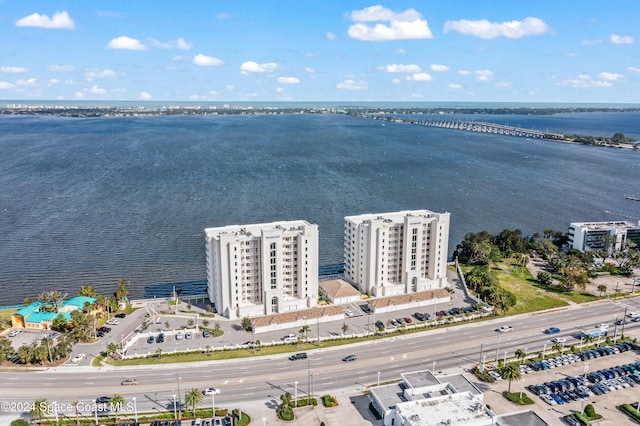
{"type": "Point", "coordinates": [454, 86]}
{"type": "Point", "coordinates": [53, 81]}
{"type": "Point", "coordinates": [503, 84]}
{"type": "Point", "coordinates": [511, 29]}
{"type": "Point", "coordinates": [6, 85]}
{"type": "Point", "coordinates": [401, 52]}
{"type": "Point", "coordinates": [250, 66]}
{"type": "Point", "coordinates": [96, 90]}
{"type": "Point", "coordinates": [421, 76]}
{"type": "Point", "coordinates": [411, 68]}
{"type": "Point", "coordinates": [464, 72]}
{"type": "Point", "coordinates": [59, 21]}
{"type": "Point", "coordinates": [109, 14]}
{"type": "Point", "coordinates": [180, 43]}
{"type": "Point", "coordinates": [620, 39]}
{"type": "Point", "coordinates": [396, 80]}
{"type": "Point", "coordinates": [206, 61]}
{"type": "Point", "coordinates": [585, 81]}
{"type": "Point", "coordinates": [13, 70]}
{"type": "Point", "coordinates": [92, 74]}
{"type": "Point", "coordinates": [180, 58]}
{"type": "Point", "coordinates": [145, 95]}
{"type": "Point", "coordinates": [405, 25]}
{"type": "Point", "coordinates": [288, 80]}
{"type": "Point", "coordinates": [590, 42]}
{"type": "Point", "coordinates": [279, 89]}
{"type": "Point", "coordinates": [610, 76]}
{"type": "Point", "coordinates": [230, 87]}
{"type": "Point", "coordinates": [213, 92]}
{"type": "Point", "coordinates": [61, 68]}
{"type": "Point", "coordinates": [27, 82]}
{"type": "Point", "coordinates": [310, 70]}
{"type": "Point", "coordinates": [634, 69]}
{"type": "Point", "coordinates": [79, 94]}
{"type": "Point", "coordinates": [126, 43]}
{"type": "Point", "coordinates": [331, 36]}
{"type": "Point", "coordinates": [353, 85]}
{"type": "Point", "coordinates": [483, 75]}
{"type": "Point", "coordinates": [439, 68]}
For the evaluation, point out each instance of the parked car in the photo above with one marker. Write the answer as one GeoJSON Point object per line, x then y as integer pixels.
{"type": "Point", "coordinates": [129, 382]}
{"type": "Point", "coordinates": [206, 333]}
{"type": "Point", "coordinates": [160, 338]}
{"type": "Point", "coordinates": [379, 324]}
{"type": "Point", "coordinates": [211, 391]}
{"type": "Point", "coordinates": [14, 333]}
{"type": "Point", "coordinates": [104, 329]}
{"type": "Point", "coordinates": [179, 335]}
{"type": "Point", "coordinates": [350, 358]}
{"type": "Point", "coordinates": [552, 330]}
{"type": "Point", "coordinates": [150, 339]}
{"type": "Point", "coordinates": [188, 335]}
{"type": "Point", "coordinates": [113, 321]}
{"type": "Point", "coordinates": [348, 313]}
{"type": "Point", "coordinates": [120, 315]}
{"type": "Point", "coordinates": [301, 355]}
{"type": "Point", "coordinates": [407, 320]}
{"type": "Point", "coordinates": [76, 359]}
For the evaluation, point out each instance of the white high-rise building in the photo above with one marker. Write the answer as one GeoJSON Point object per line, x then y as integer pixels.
{"type": "Point", "coordinates": [262, 269]}
{"type": "Point", "coordinates": [396, 253]}
{"type": "Point", "coordinates": [603, 236]}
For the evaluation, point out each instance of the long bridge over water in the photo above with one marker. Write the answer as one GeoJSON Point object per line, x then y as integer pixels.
{"type": "Point", "coordinates": [476, 126]}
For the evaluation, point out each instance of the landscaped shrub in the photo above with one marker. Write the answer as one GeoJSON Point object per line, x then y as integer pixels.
{"type": "Point", "coordinates": [590, 411]}
{"type": "Point", "coordinates": [329, 401]}
{"type": "Point", "coordinates": [630, 411]}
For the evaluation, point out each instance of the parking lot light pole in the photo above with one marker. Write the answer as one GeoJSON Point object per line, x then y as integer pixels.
{"type": "Point", "coordinates": [295, 395]}
{"type": "Point", "coordinates": [379, 377]}
{"type": "Point", "coordinates": [586, 369]}
{"type": "Point", "coordinates": [521, 388]}
{"type": "Point", "coordinates": [544, 349]}
{"type": "Point", "coordinates": [497, 347]}
{"type": "Point", "coordinates": [213, 404]}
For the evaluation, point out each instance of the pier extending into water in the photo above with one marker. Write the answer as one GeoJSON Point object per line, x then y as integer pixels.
{"type": "Point", "coordinates": [475, 126]}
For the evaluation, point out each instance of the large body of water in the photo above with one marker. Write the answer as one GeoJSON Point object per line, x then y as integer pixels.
{"type": "Point", "coordinates": [90, 201]}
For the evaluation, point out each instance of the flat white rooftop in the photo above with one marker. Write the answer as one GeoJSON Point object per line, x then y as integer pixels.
{"type": "Point", "coordinates": [455, 409]}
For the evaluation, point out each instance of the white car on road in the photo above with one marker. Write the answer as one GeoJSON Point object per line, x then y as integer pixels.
{"type": "Point", "coordinates": [559, 340]}
{"type": "Point", "coordinates": [211, 391]}
{"type": "Point", "coordinates": [76, 359]}
{"type": "Point", "coordinates": [504, 329]}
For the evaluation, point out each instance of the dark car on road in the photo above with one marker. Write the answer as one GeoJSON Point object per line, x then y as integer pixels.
{"type": "Point", "coordinates": [301, 355]}
{"type": "Point", "coordinates": [104, 329]}
{"type": "Point", "coordinates": [350, 358]}
{"type": "Point", "coordinates": [103, 399]}
{"type": "Point", "coordinates": [552, 330]}
{"type": "Point", "coordinates": [120, 315]}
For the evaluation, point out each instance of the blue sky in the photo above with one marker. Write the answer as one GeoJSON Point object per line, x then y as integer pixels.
{"type": "Point", "coordinates": [332, 50]}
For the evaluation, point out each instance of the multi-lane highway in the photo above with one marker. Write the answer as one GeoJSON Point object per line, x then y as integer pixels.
{"type": "Point", "coordinates": [263, 378]}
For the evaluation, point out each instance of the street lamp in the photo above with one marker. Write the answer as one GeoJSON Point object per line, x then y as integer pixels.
{"type": "Point", "coordinates": [264, 421]}
{"type": "Point", "coordinates": [379, 377]}
{"type": "Point", "coordinates": [213, 404]}
{"type": "Point", "coordinates": [586, 368]}
{"type": "Point", "coordinates": [175, 411]}
{"type": "Point", "coordinates": [521, 387]}
{"type": "Point", "coordinates": [497, 347]}
{"type": "Point", "coordinates": [544, 349]}
{"type": "Point", "coordinates": [135, 409]}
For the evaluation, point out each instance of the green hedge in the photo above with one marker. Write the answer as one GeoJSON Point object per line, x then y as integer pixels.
{"type": "Point", "coordinates": [329, 401]}
{"type": "Point", "coordinates": [630, 411]}
{"type": "Point", "coordinates": [515, 398]}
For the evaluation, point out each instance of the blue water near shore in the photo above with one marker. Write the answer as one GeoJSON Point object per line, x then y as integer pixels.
{"type": "Point", "coordinates": [90, 201]}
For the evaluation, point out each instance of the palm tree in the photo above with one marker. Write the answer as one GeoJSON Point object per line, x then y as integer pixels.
{"type": "Point", "coordinates": [520, 354]}
{"type": "Point", "coordinates": [75, 404]}
{"type": "Point", "coordinates": [557, 347]}
{"type": "Point", "coordinates": [117, 403]}
{"type": "Point", "coordinates": [305, 330]}
{"type": "Point", "coordinates": [511, 372]}
{"type": "Point", "coordinates": [193, 399]}
{"type": "Point", "coordinates": [39, 409]}
{"type": "Point", "coordinates": [345, 328]}
{"type": "Point", "coordinates": [87, 290]}
{"type": "Point", "coordinates": [602, 289]}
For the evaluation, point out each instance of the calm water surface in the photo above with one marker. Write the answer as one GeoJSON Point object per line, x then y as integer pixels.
{"type": "Point", "coordinates": [90, 201]}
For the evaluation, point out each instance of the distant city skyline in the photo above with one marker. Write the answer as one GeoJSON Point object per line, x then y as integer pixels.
{"type": "Point", "coordinates": [354, 51]}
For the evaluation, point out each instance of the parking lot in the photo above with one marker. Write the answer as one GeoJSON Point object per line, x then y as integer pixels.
{"type": "Point", "coordinates": [570, 383]}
